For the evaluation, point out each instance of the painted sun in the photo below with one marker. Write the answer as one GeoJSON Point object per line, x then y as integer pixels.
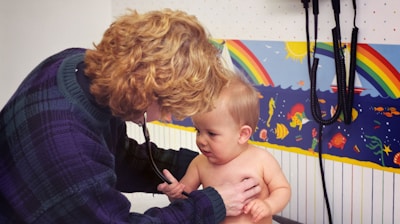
{"type": "Point", "coordinates": [297, 51]}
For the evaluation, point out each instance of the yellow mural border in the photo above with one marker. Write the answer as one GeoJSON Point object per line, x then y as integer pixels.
{"type": "Point", "coordinates": [298, 151]}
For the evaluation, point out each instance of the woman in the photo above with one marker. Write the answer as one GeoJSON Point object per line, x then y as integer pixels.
{"type": "Point", "coordinates": [65, 156]}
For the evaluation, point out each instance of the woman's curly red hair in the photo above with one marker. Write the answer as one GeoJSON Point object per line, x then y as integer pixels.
{"type": "Point", "coordinates": [164, 56]}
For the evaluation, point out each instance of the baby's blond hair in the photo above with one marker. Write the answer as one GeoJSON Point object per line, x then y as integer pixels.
{"type": "Point", "coordinates": [242, 100]}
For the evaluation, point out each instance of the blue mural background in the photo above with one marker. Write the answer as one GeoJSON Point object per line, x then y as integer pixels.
{"type": "Point", "coordinates": [373, 137]}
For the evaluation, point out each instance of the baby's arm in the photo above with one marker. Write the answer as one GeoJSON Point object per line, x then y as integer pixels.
{"type": "Point", "coordinates": [259, 209]}
{"type": "Point", "coordinates": [279, 192]}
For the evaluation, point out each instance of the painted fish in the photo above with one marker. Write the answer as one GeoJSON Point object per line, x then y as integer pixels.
{"type": "Point", "coordinates": [356, 149]}
{"type": "Point", "coordinates": [379, 109]}
{"type": "Point", "coordinates": [263, 134]}
{"type": "Point", "coordinates": [396, 158]}
{"type": "Point", "coordinates": [298, 108]}
{"type": "Point", "coordinates": [281, 131]}
{"type": "Point", "coordinates": [387, 114]}
{"type": "Point", "coordinates": [337, 141]}
{"type": "Point", "coordinates": [396, 112]}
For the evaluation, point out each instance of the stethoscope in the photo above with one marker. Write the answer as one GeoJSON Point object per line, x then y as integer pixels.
{"type": "Point", "coordinates": [150, 154]}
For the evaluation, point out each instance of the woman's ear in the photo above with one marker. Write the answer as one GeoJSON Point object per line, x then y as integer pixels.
{"type": "Point", "coordinates": [245, 134]}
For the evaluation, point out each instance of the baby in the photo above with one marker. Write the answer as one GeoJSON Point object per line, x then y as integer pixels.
{"type": "Point", "coordinates": [227, 156]}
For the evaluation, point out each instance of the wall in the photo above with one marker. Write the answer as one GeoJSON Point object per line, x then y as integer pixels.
{"type": "Point", "coordinates": [33, 30]}
{"type": "Point", "coordinates": [281, 20]}
{"type": "Point", "coordinates": [358, 194]}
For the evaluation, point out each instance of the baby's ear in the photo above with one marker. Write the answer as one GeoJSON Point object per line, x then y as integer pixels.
{"type": "Point", "coordinates": [245, 134]}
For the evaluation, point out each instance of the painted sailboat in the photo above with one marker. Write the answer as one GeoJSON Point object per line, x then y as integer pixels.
{"type": "Point", "coordinates": [357, 83]}
{"type": "Point", "coordinates": [226, 57]}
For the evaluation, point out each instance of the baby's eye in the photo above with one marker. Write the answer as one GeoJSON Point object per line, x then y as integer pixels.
{"type": "Point", "coordinates": [212, 134]}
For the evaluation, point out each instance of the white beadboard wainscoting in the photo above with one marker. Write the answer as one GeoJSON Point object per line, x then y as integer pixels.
{"type": "Point", "coordinates": [357, 194]}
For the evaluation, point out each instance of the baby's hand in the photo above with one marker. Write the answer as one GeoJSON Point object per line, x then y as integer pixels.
{"type": "Point", "coordinates": [173, 190]}
{"type": "Point", "coordinates": [259, 209]}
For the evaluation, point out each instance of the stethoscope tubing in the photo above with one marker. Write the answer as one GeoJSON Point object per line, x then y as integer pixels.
{"type": "Point", "coordinates": [150, 154]}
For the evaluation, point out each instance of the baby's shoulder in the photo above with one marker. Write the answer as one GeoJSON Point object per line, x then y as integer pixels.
{"type": "Point", "coordinates": [258, 153]}
{"type": "Point", "coordinates": [255, 150]}
{"type": "Point", "coordinates": [200, 159]}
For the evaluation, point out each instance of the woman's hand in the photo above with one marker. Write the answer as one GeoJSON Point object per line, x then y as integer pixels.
{"type": "Point", "coordinates": [236, 196]}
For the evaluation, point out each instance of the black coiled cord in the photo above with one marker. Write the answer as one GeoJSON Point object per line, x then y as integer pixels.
{"type": "Point", "coordinates": [345, 94]}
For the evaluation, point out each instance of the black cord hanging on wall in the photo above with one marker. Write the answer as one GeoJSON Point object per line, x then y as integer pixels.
{"type": "Point", "coordinates": [345, 90]}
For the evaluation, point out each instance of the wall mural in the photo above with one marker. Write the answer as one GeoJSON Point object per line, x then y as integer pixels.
{"type": "Point", "coordinates": [279, 70]}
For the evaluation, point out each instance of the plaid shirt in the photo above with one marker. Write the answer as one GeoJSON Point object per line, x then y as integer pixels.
{"type": "Point", "coordinates": [65, 159]}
